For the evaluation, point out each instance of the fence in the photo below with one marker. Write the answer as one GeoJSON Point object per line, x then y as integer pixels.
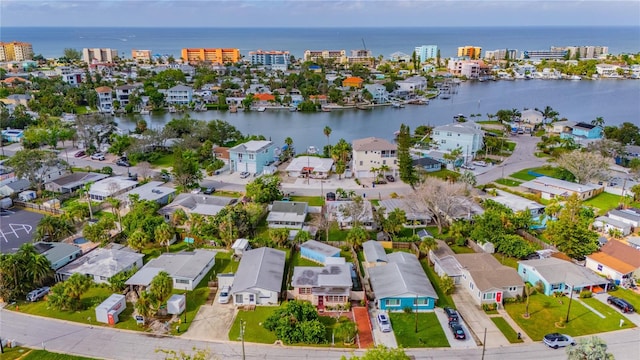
{"type": "Point", "coordinates": [534, 239]}
{"type": "Point", "coordinates": [39, 207]}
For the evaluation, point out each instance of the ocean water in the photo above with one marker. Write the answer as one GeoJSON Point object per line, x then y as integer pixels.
{"type": "Point", "coordinates": [51, 41]}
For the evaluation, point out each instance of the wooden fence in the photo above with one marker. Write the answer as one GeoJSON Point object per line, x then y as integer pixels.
{"type": "Point", "coordinates": [535, 240]}
{"type": "Point", "coordinates": [39, 207]}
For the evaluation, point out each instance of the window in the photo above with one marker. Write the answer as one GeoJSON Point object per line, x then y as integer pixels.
{"type": "Point", "coordinates": [182, 281]}
{"type": "Point", "coordinates": [336, 299]}
{"type": "Point", "coordinates": [423, 301]}
{"type": "Point", "coordinates": [384, 162]}
{"type": "Point", "coordinates": [304, 291]}
{"type": "Point", "coordinates": [488, 296]}
{"type": "Point", "coordinates": [252, 298]}
{"type": "Point", "coordinates": [443, 141]}
{"type": "Point", "coordinates": [599, 267]}
{"type": "Point", "coordinates": [555, 287]}
{"type": "Point", "coordinates": [251, 156]}
{"type": "Point", "coordinates": [513, 288]}
{"type": "Point", "coordinates": [524, 270]}
{"type": "Point", "coordinates": [392, 302]}
{"type": "Point", "coordinates": [360, 162]}
{"type": "Point", "coordinates": [437, 133]}
{"type": "Point", "coordinates": [239, 298]}
{"type": "Point", "coordinates": [471, 285]}
{"type": "Point", "coordinates": [449, 133]}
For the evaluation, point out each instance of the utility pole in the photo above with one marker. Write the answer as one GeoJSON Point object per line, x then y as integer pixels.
{"type": "Point", "coordinates": [185, 307]}
{"type": "Point", "coordinates": [484, 342]}
{"type": "Point", "coordinates": [242, 325]}
{"type": "Point", "coordinates": [416, 329]}
{"type": "Point", "coordinates": [569, 307]}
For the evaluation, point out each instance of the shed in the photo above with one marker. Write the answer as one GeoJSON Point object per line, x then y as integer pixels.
{"type": "Point", "coordinates": [240, 246]}
{"type": "Point", "coordinates": [318, 251]}
{"type": "Point", "coordinates": [107, 312]}
{"type": "Point", "coordinates": [27, 195]}
{"type": "Point", "coordinates": [176, 304]}
{"type": "Point", "coordinates": [374, 254]}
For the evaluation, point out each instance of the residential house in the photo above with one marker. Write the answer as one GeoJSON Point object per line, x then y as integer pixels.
{"type": "Point", "coordinates": [14, 187]}
{"type": "Point", "coordinates": [352, 82]}
{"type": "Point", "coordinates": [12, 135]}
{"type": "Point", "coordinates": [310, 166]}
{"type": "Point", "coordinates": [428, 164]}
{"type": "Point", "coordinates": [258, 280]}
{"type": "Point", "coordinates": [557, 275]}
{"type": "Point", "coordinates": [519, 203]}
{"type": "Point", "coordinates": [609, 225]}
{"type": "Point", "coordinates": [560, 127]}
{"type": "Point", "coordinates": [111, 187]}
{"type": "Point", "coordinates": [179, 95]}
{"type": "Point", "coordinates": [582, 131]}
{"type": "Point", "coordinates": [630, 152]}
{"type": "Point", "coordinates": [374, 254]}
{"type": "Point", "coordinates": [416, 214]}
{"type": "Point", "coordinates": [399, 57]}
{"type": "Point", "coordinates": [488, 281]}
{"type": "Point", "coordinates": [445, 262]}
{"type": "Point", "coordinates": [70, 75]}
{"type": "Point", "coordinates": [607, 70]}
{"type": "Point", "coordinates": [472, 69]}
{"type": "Point", "coordinates": [628, 216]}
{"type": "Point", "coordinates": [12, 81]}
{"type": "Point", "coordinates": [402, 283]}
{"type": "Point", "coordinates": [371, 153]}
{"type": "Point", "coordinates": [339, 211]}
{"type": "Point", "coordinates": [531, 116]}
{"type": "Point", "coordinates": [287, 214]}
{"type": "Point", "coordinates": [549, 188]}
{"type": "Point", "coordinates": [105, 99]}
{"type": "Point", "coordinates": [73, 182]}
{"type": "Point", "coordinates": [141, 55]}
{"type": "Point", "coordinates": [467, 136]}
{"type": "Point", "coordinates": [634, 241]}
{"type": "Point", "coordinates": [412, 84]}
{"type": "Point", "coordinates": [151, 191]}
{"type": "Point", "coordinates": [123, 93]}
{"type": "Point", "coordinates": [18, 99]}
{"type": "Point", "coordinates": [379, 93]}
{"type": "Point", "coordinates": [101, 264]}
{"type": "Point", "coordinates": [329, 285]}
{"type": "Point", "coordinates": [252, 156]}
{"type": "Point", "coordinates": [318, 251]}
{"type": "Point", "coordinates": [263, 99]}
{"type": "Point", "coordinates": [205, 205]}
{"type": "Point", "coordinates": [59, 254]}
{"type": "Point", "coordinates": [319, 99]}
{"type": "Point", "coordinates": [187, 269]}
{"type": "Point", "coordinates": [616, 261]}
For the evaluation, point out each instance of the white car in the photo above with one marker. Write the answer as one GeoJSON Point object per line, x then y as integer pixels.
{"type": "Point", "coordinates": [557, 340]}
{"type": "Point", "coordinates": [479, 163]}
{"type": "Point", "coordinates": [224, 295]}
{"type": "Point", "coordinates": [98, 156]}
{"type": "Point", "coordinates": [244, 175]}
{"type": "Point", "coordinates": [383, 322]}
{"type": "Point", "coordinates": [37, 294]}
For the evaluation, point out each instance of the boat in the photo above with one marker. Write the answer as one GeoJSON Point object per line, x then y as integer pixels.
{"type": "Point", "coordinates": [233, 109]}
{"type": "Point", "coordinates": [445, 96]}
{"type": "Point", "coordinates": [145, 112]}
{"type": "Point", "coordinates": [397, 105]}
{"type": "Point", "coordinates": [172, 109]}
{"type": "Point", "coordinates": [312, 150]}
{"type": "Point", "coordinates": [325, 108]}
{"type": "Point", "coordinates": [261, 109]}
{"type": "Point", "coordinates": [575, 77]}
{"type": "Point", "coordinates": [293, 108]}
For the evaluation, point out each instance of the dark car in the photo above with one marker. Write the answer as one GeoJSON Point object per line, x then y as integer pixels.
{"type": "Point", "coordinates": [451, 314]}
{"type": "Point", "coordinates": [390, 178]}
{"type": "Point", "coordinates": [457, 330]}
{"type": "Point", "coordinates": [621, 304]}
{"type": "Point", "coordinates": [80, 153]}
{"type": "Point", "coordinates": [210, 190]}
{"type": "Point", "coordinates": [122, 162]}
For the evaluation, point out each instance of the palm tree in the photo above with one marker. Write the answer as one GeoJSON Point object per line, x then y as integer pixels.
{"type": "Point", "coordinates": [289, 142]}
{"type": "Point", "coordinates": [599, 122]}
{"type": "Point", "coordinates": [115, 208]}
{"type": "Point", "coordinates": [195, 222]}
{"type": "Point", "coordinates": [179, 217]}
{"type": "Point", "coordinates": [144, 305]}
{"type": "Point", "coordinates": [75, 287]}
{"type": "Point", "coordinates": [357, 236]}
{"type": "Point", "coordinates": [36, 267]}
{"type": "Point", "coordinates": [163, 234]}
{"type": "Point", "coordinates": [428, 244]}
{"type": "Point", "coordinates": [327, 133]}
{"type": "Point", "coordinates": [161, 288]}
{"type": "Point", "coordinates": [85, 190]}
{"type": "Point", "coordinates": [548, 113]}
{"type": "Point", "coordinates": [137, 240]}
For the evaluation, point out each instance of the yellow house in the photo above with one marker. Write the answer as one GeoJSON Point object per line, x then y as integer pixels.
{"type": "Point", "coordinates": [353, 81]}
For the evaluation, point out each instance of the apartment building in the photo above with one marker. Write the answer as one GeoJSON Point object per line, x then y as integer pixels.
{"type": "Point", "coordinates": [426, 52]}
{"type": "Point", "coordinates": [469, 68]}
{"type": "Point", "coordinates": [544, 54]}
{"type": "Point", "coordinates": [179, 95]}
{"type": "Point", "coordinates": [15, 51]}
{"type": "Point", "coordinates": [363, 56]}
{"type": "Point", "coordinates": [584, 52]}
{"type": "Point", "coordinates": [278, 60]}
{"type": "Point", "coordinates": [501, 54]}
{"type": "Point", "coordinates": [99, 55]}
{"type": "Point", "coordinates": [141, 55]}
{"type": "Point", "coordinates": [340, 56]}
{"type": "Point", "coordinates": [211, 55]}
{"type": "Point", "coordinates": [471, 52]}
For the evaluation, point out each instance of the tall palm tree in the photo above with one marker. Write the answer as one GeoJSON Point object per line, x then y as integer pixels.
{"type": "Point", "coordinates": [144, 305]}
{"type": "Point", "coordinates": [85, 191]}
{"type": "Point", "coordinates": [179, 217]}
{"type": "Point", "coordinates": [599, 122]}
{"type": "Point", "coordinates": [115, 208]}
{"type": "Point", "coordinates": [163, 234]}
{"type": "Point", "coordinates": [327, 133]}
{"type": "Point", "coordinates": [75, 287]}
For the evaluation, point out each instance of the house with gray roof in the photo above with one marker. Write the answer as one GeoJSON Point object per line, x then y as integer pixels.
{"type": "Point", "coordinates": [549, 188]}
{"type": "Point", "coordinates": [186, 268]}
{"type": "Point", "coordinates": [151, 191]}
{"type": "Point", "coordinates": [608, 225]}
{"type": "Point", "coordinates": [628, 216]}
{"type": "Point", "coordinates": [59, 254]}
{"type": "Point", "coordinates": [14, 187]}
{"type": "Point", "coordinates": [179, 95]}
{"type": "Point", "coordinates": [445, 262]}
{"type": "Point", "coordinates": [111, 187]}
{"type": "Point", "coordinates": [328, 285]}
{"type": "Point", "coordinates": [417, 215]}
{"type": "Point", "coordinates": [318, 251]}
{"type": "Point", "coordinates": [467, 136]}
{"type": "Point", "coordinates": [634, 241]}
{"type": "Point", "coordinates": [287, 214]}
{"type": "Point", "coordinates": [206, 205]}
{"type": "Point", "coordinates": [72, 182]}
{"type": "Point", "coordinates": [402, 283]}
{"type": "Point", "coordinates": [340, 211]}
{"type": "Point", "coordinates": [252, 156]}
{"type": "Point", "coordinates": [374, 254]}
{"type": "Point", "coordinates": [373, 152]}
{"type": "Point", "coordinates": [488, 281]}
{"type": "Point", "coordinates": [101, 264]}
{"type": "Point", "coordinates": [558, 275]}
{"type": "Point", "coordinates": [518, 203]}
{"type": "Point", "coordinates": [258, 280]}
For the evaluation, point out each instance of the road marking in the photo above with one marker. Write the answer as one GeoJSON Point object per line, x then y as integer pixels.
{"type": "Point", "coordinates": [14, 230]}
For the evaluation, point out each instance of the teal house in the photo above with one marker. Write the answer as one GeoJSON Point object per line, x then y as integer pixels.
{"type": "Point", "coordinates": [582, 131]}
{"type": "Point", "coordinates": [558, 275]}
{"type": "Point", "coordinates": [252, 156]}
{"type": "Point", "coordinates": [402, 283]}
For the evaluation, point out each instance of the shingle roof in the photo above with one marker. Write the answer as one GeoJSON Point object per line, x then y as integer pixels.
{"type": "Point", "coordinates": [557, 271]}
{"type": "Point", "coordinates": [102, 262]}
{"type": "Point", "coordinates": [373, 144]}
{"type": "Point", "coordinates": [618, 256]}
{"type": "Point", "coordinates": [487, 272]}
{"type": "Point", "coordinates": [260, 268]}
{"type": "Point", "coordinates": [374, 252]}
{"type": "Point", "coordinates": [403, 276]}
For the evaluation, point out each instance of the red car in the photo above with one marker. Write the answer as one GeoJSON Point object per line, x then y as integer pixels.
{"type": "Point", "coordinates": [80, 153]}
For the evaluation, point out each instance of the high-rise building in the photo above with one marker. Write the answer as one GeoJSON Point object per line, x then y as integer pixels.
{"type": "Point", "coordinates": [340, 56]}
{"type": "Point", "coordinates": [270, 58]}
{"type": "Point", "coordinates": [471, 52]}
{"type": "Point", "coordinates": [213, 55]}
{"type": "Point", "coordinates": [425, 52]}
{"type": "Point", "coordinates": [501, 54]}
{"type": "Point", "coordinates": [99, 55]}
{"type": "Point", "coordinates": [584, 52]}
{"type": "Point", "coordinates": [15, 51]}
{"type": "Point", "coordinates": [141, 55]}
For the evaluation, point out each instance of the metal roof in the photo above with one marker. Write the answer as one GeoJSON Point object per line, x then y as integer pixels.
{"type": "Point", "coordinates": [557, 271]}
{"type": "Point", "coordinates": [374, 252]}
{"type": "Point", "coordinates": [102, 262]}
{"type": "Point", "coordinates": [261, 268]}
{"type": "Point", "coordinates": [186, 265]}
{"type": "Point", "coordinates": [403, 276]}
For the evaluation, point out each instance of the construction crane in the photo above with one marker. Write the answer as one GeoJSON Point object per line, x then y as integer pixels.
{"type": "Point", "coordinates": [363, 44]}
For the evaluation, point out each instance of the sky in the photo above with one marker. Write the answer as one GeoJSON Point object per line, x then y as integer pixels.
{"type": "Point", "coordinates": [317, 13]}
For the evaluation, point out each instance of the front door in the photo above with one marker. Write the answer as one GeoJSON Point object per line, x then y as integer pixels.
{"type": "Point", "coordinates": [320, 300]}
{"type": "Point", "coordinates": [499, 297]}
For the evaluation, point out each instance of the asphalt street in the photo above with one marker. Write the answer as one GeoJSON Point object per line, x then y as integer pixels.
{"type": "Point", "coordinates": [16, 228]}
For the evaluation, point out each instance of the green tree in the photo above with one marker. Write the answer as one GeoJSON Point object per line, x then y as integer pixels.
{"type": "Point", "coordinates": [428, 244]}
{"type": "Point", "coordinates": [264, 189]}
{"type": "Point", "coordinates": [327, 132]}
{"type": "Point", "coordinates": [99, 232]}
{"type": "Point", "coordinates": [302, 236]}
{"type": "Point", "coordinates": [137, 240]}
{"type": "Point", "coordinates": [296, 322]}
{"type": "Point", "coordinates": [356, 236]}
{"type": "Point", "coordinates": [144, 305]}
{"type": "Point", "coordinates": [74, 287]}
{"type": "Point", "coordinates": [571, 233]}
{"type": "Point", "coordinates": [279, 235]}
{"type": "Point", "coordinates": [591, 348]}
{"type": "Point", "coordinates": [22, 271]}
{"type": "Point", "coordinates": [447, 284]}
{"type": "Point", "coordinates": [120, 144]}
{"type": "Point", "coordinates": [53, 228]}
{"type": "Point", "coordinates": [72, 54]}
{"type": "Point", "coordinates": [161, 288]}
{"type": "Point", "coordinates": [346, 330]}
{"type": "Point", "coordinates": [394, 223]}
{"type": "Point", "coordinates": [405, 162]}
{"type": "Point", "coordinates": [33, 165]}
{"type": "Point", "coordinates": [186, 169]}
{"type": "Point", "coordinates": [163, 234]}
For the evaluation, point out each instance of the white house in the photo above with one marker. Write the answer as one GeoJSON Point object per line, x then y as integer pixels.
{"type": "Point", "coordinates": [312, 166]}
{"type": "Point", "coordinates": [105, 99]}
{"type": "Point", "coordinates": [186, 268]}
{"type": "Point", "coordinates": [111, 187]}
{"type": "Point", "coordinates": [467, 136]}
{"type": "Point", "coordinates": [287, 214]}
{"type": "Point", "coordinates": [179, 95]}
{"type": "Point", "coordinates": [339, 211]}
{"type": "Point", "coordinates": [627, 216]}
{"type": "Point", "coordinates": [487, 280]}
{"type": "Point", "coordinates": [549, 188]}
{"type": "Point", "coordinates": [258, 280]}
{"type": "Point", "coordinates": [373, 152]}
{"type": "Point", "coordinates": [101, 264]}
{"type": "Point", "coordinates": [412, 84]}
{"type": "Point", "coordinates": [607, 224]}
{"type": "Point", "coordinates": [531, 116]}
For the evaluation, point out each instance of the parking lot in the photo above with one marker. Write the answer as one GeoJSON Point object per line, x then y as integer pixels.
{"type": "Point", "coordinates": [17, 226]}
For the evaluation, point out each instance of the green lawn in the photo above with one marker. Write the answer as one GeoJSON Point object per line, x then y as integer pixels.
{"type": "Point", "coordinates": [461, 249]}
{"type": "Point", "coordinates": [545, 312]}
{"type": "Point", "coordinates": [508, 182]}
{"type": "Point", "coordinates": [443, 174]}
{"type": "Point", "coordinates": [506, 329]}
{"type": "Point", "coordinates": [544, 170]}
{"type": "Point", "coordinates": [164, 161]}
{"type": "Point", "coordinates": [443, 300]}
{"type": "Point", "coordinates": [603, 202]}
{"type": "Point", "coordinates": [430, 333]}
{"type": "Point", "coordinates": [506, 260]}
{"type": "Point", "coordinates": [81, 109]}
{"type": "Point", "coordinates": [29, 354]}
{"type": "Point", "coordinates": [628, 295]}
{"type": "Point", "coordinates": [311, 200]}
{"type": "Point", "coordinates": [253, 331]}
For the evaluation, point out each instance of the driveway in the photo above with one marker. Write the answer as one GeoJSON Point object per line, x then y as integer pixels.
{"type": "Point", "coordinates": [477, 321]}
{"type": "Point", "coordinates": [212, 322]}
{"type": "Point", "coordinates": [468, 343]}
{"type": "Point", "coordinates": [387, 339]}
{"type": "Point", "coordinates": [634, 317]}
{"type": "Point", "coordinates": [522, 158]}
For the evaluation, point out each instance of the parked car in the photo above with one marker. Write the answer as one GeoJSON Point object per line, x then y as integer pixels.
{"type": "Point", "coordinates": [390, 178]}
{"type": "Point", "coordinates": [621, 304]}
{"type": "Point", "coordinates": [452, 314]}
{"type": "Point", "coordinates": [165, 177]}
{"type": "Point", "coordinates": [224, 295]}
{"type": "Point", "coordinates": [556, 340]}
{"type": "Point", "coordinates": [98, 156]}
{"type": "Point", "coordinates": [37, 294]}
{"type": "Point", "coordinates": [244, 175]}
{"type": "Point", "coordinates": [479, 163]}
{"type": "Point", "coordinates": [196, 191]}
{"type": "Point", "coordinates": [122, 162]}
{"type": "Point", "coordinates": [383, 322]}
{"type": "Point", "coordinates": [210, 190]}
{"type": "Point", "coordinates": [468, 167]}
{"type": "Point", "coordinates": [457, 330]}
{"type": "Point", "coordinates": [80, 153]}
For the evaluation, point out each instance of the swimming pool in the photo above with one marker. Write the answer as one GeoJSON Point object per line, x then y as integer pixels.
{"type": "Point", "coordinates": [79, 241]}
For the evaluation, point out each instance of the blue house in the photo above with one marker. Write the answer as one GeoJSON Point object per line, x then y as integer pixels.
{"type": "Point", "coordinates": [558, 275]}
{"type": "Point", "coordinates": [402, 283]}
{"type": "Point", "coordinates": [252, 156]}
{"type": "Point", "coordinates": [318, 251]}
{"type": "Point", "coordinates": [582, 131]}
{"type": "Point", "coordinates": [13, 135]}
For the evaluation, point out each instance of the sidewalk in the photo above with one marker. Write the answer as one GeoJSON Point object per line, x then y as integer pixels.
{"type": "Point", "coordinates": [505, 315]}
{"type": "Point", "coordinates": [478, 321]}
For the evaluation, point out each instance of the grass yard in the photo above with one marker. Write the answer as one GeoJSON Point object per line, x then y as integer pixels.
{"type": "Point", "coordinates": [81, 110]}
{"type": "Point", "coordinates": [443, 174]}
{"type": "Point", "coordinates": [154, 252]}
{"type": "Point", "coordinates": [312, 200]}
{"type": "Point", "coordinates": [546, 311]}
{"type": "Point", "coordinates": [461, 249]}
{"type": "Point", "coordinates": [506, 260]}
{"type": "Point", "coordinates": [508, 182]}
{"type": "Point", "coordinates": [628, 295]}
{"type": "Point", "coordinates": [430, 333]}
{"type": "Point", "coordinates": [163, 161]}
{"type": "Point", "coordinates": [603, 202]}
{"type": "Point", "coordinates": [544, 170]}
{"type": "Point", "coordinates": [443, 300]}
{"type": "Point", "coordinates": [506, 330]}
{"type": "Point", "coordinates": [29, 354]}
{"type": "Point", "coordinates": [253, 332]}
{"type": "Point", "coordinates": [93, 297]}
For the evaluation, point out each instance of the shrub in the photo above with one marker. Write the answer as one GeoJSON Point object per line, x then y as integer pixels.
{"type": "Point", "coordinates": [585, 294]}
{"type": "Point", "coordinates": [488, 307]}
{"type": "Point", "coordinates": [408, 310]}
{"type": "Point", "coordinates": [393, 195]}
{"type": "Point", "coordinates": [107, 170]}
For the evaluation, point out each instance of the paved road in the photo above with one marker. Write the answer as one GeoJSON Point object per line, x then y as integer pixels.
{"type": "Point", "coordinates": [522, 158]}
{"type": "Point", "coordinates": [107, 343]}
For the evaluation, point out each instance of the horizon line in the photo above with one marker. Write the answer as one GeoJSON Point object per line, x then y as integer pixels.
{"type": "Point", "coordinates": [318, 27]}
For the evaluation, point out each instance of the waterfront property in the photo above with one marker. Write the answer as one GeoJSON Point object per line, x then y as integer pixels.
{"type": "Point", "coordinates": [426, 52]}
{"type": "Point", "coordinates": [616, 261]}
{"type": "Point", "coordinates": [99, 55]}
{"type": "Point", "coordinates": [352, 82]}
{"type": "Point", "coordinates": [258, 280]}
{"type": "Point", "coordinates": [101, 264]}
{"type": "Point", "coordinates": [549, 188]}
{"type": "Point", "coordinates": [287, 214]}
{"type": "Point", "coordinates": [123, 92]}
{"type": "Point", "coordinates": [470, 52]}
{"type": "Point", "coordinates": [310, 166]}
{"type": "Point", "coordinates": [179, 95]}
{"type": "Point", "coordinates": [563, 276]}
{"type": "Point", "coordinates": [412, 84]}
{"type": "Point", "coordinates": [251, 156]}
{"type": "Point", "coordinates": [211, 55]}
{"type": "Point", "coordinates": [329, 285]}
{"type": "Point", "coordinates": [340, 56]}
{"type": "Point", "coordinates": [402, 283]}
{"type": "Point", "coordinates": [276, 60]}
{"type": "Point", "coordinates": [428, 164]}
{"type": "Point", "coordinates": [105, 99]}
{"type": "Point", "coordinates": [486, 280]}
{"type": "Point", "coordinates": [374, 153]}
{"type": "Point", "coordinates": [581, 132]}
{"type": "Point", "coordinates": [319, 252]}
{"type": "Point", "coordinates": [467, 136]}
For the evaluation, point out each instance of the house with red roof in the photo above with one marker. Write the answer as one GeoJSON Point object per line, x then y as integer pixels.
{"type": "Point", "coordinates": [353, 81]}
